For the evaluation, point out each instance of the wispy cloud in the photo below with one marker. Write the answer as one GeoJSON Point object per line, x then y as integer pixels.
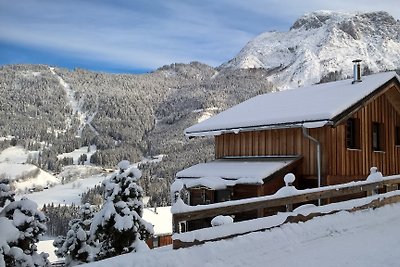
{"type": "Point", "coordinates": [148, 34]}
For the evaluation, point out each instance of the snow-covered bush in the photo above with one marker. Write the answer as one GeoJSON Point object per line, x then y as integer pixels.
{"type": "Point", "coordinates": [118, 226]}
{"type": "Point", "coordinates": [30, 223]}
{"type": "Point", "coordinates": [76, 247]}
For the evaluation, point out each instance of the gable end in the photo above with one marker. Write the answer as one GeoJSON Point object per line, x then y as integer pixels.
{"type": "Point", "coordinates": [386, 87]}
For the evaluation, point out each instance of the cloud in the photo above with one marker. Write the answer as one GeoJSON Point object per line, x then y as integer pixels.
{"type": "Point", "coordinates": [149, 34]}
{"type": "Point", "coordinates": [144, 35]}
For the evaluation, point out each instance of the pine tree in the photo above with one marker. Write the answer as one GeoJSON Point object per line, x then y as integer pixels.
{"type": "Point", "coordinates": [30, 222]}
{"type": "Point", "coordinates": [6, 194]}
{"type": "Point", "coordinates": [76, 247]}
{"type": "Point", "coordinates": [118, 226]}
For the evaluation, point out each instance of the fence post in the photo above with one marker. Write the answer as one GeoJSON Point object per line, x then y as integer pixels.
{"type": "Point", "coordinates": [374, 176]}
{"type": "Point", "coordinates": [289, 180]}
{"type": "Point", "coordinates": [176, 188]}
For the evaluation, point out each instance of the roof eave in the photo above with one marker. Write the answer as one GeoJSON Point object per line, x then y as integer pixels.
{"type": "Point", "coordinates": [299, 124]}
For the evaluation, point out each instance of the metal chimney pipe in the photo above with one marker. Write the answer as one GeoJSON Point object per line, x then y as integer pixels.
{"type": "Point", "coordinates": [357, 71]}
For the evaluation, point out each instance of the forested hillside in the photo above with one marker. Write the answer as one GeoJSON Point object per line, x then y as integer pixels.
{"type": "Point", "coordinates": [126, 116]}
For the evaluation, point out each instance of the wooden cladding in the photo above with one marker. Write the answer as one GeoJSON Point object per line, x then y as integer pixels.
{"type": "Point", "coordinates": [271, 142]}
{"type": "Point", "coordinates": [338, 159]}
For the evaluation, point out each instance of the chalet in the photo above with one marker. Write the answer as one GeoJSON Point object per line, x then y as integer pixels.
{"type": "Point", "coordinates": [325, 134]}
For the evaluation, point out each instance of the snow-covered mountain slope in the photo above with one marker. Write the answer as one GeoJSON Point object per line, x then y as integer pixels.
{"type": "Point", "coordinates": [321, 45]}
{"type": "Point", "coordinates": [84, 117]}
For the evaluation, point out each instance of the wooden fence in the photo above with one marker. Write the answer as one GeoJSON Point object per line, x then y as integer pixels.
{"type": "Point", "coordinates": [159, 241]}
{"type": "Point", "coordinates": [189, 213]}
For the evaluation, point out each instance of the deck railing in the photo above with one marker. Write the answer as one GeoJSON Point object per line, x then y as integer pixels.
{"type": "Point", "coordinates": [287, 196]}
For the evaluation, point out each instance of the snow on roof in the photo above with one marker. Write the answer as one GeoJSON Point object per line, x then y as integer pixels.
{"type": "Point", "coordinates": [160, 218]}
{"type": "Point", "coordinates": [221, 173]}
{"type": "Point", "coordinates": [316, 105]}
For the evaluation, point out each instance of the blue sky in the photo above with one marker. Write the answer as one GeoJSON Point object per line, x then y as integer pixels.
{"type": "Point", "coordinates": [135, 36]}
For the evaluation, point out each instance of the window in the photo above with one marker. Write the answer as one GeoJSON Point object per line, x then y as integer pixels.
{"type": "Point", "coordinates": [377, 136]}
{"type": "Point", "coordinates": [222, 195]}
{"type": "Point", "coordinates": [397, 136]}
{"type": "Point", "coordinates": [353, 133]}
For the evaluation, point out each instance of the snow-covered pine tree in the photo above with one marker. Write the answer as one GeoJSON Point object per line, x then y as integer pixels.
{"type": "Point", "coordinates": [30, 222]}
{"type": "Point", "coordinates": [8, 232]}
{"type": "Point", "coordinates": [5, 192]}
{"type": "Point", "coordinates": [76, 247]}
{"type": "Point", "coordinates": [119, 226]}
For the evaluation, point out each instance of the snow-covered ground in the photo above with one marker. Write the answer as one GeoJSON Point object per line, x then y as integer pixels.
{"type": "Point", "coordinates": [66, 194]}
{"type": "Point", "coordinates": [365, 238]}
{"type": "Point", "coordinates": [89, 151]}
{"type": "Point", "coordinates": [47, 246]}
{"type": "Point", "coordinates": [13, 166]}
{"type": "Point", "coordinates": [14, 154]}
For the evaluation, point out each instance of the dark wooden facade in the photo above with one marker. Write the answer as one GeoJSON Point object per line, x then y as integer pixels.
{"type": "Point", "coordinates": [339, 163]}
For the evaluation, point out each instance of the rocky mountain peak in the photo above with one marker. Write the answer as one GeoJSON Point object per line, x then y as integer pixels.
{"type": "Point", "coordinates": [321, 45]}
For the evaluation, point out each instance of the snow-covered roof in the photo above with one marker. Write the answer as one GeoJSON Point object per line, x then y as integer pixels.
{"type": "Point", "coordinates": [221, 173]}
{"type": "Point", "coordinates": [311, 107]}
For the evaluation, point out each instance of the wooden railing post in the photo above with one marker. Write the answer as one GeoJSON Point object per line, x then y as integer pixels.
{"type": "Point", "coordinates": [176, 188]}
{"type": "Point", "coordinates": [289, 180]}
{"type": "Point", "coordinates": [374, 176]}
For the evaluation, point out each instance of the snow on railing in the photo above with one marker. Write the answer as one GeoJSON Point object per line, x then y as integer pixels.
{"type": "Point", "coordinates": [286, 196]}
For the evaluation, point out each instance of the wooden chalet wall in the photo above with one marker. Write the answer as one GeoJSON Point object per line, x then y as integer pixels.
{"type": "Point", "coordinates": [339, 164]}
{"type": "Point", "coordinates": [357, 162]}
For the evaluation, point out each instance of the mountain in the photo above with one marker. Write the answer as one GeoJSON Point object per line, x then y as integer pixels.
{"type": "Point", "coordinates": [125, 116]}
{"type": "Point", "coordinates": [321, 45]}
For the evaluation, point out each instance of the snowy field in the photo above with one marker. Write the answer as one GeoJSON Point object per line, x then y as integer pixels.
{"type": "Point", "coordinates": [14, 167]}
{"type": "Point", "coordinates": [368, 238]}
{"type": "Point", "coordinates": [65, 194]}
{"type": "Point", "coordinates": [89, 151]}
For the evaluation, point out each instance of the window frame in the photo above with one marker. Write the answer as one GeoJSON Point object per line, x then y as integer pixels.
{"type": "Point", "coordinates": [377, 135]}
{"type": "Point", "coordinates": [353, 133]}
{"type": "Point", "coordinates": [222, 195]}
{"type": "Point", "coordinates": [397, 135]}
